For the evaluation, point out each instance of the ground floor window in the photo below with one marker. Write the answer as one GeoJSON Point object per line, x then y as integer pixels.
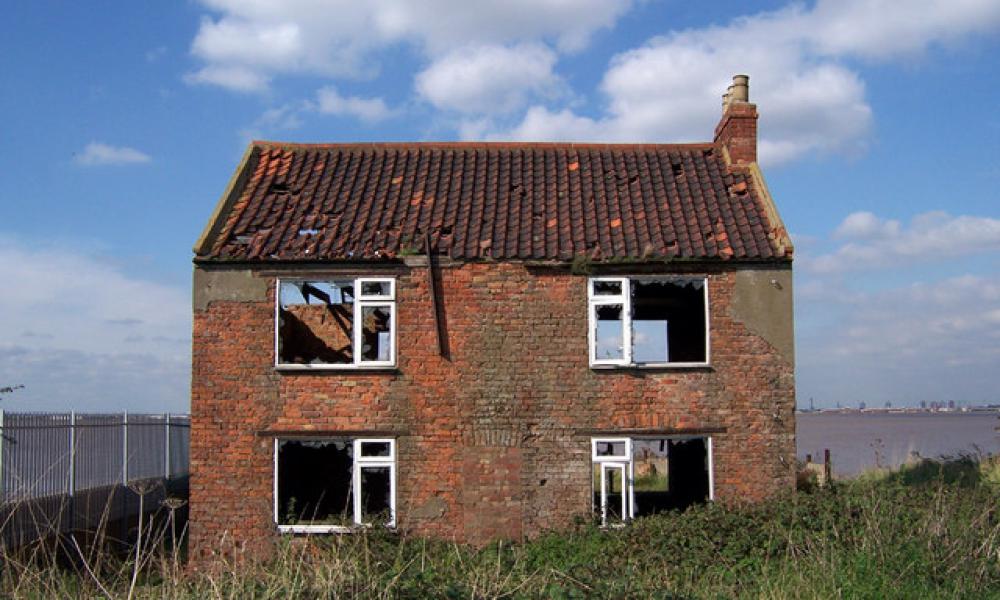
{"type": "Point", "coordinates": [334, 484]}
{"type": "Point", "coordinates": [639, 476]}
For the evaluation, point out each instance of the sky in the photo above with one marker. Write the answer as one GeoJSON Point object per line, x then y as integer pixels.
{"type": "Point", "coordinates": [123, 122]}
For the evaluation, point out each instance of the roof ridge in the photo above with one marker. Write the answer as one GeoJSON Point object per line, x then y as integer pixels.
{"type": "Point", "coordinates": [275, 144]}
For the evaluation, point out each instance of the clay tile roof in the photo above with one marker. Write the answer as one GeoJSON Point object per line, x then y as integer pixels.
{"type": "Point", "coordinates": [515, 201]}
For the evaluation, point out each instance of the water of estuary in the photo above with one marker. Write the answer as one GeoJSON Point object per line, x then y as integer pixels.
{"type": "Point", "coordinates": [858, 441]}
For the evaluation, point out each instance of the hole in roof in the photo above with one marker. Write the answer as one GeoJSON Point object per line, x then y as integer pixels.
{"type": "Point", "coordinates": [677, 169]}
{"type": "Point", "coordinates": [278, 188]}
{"type": "Point", "coordinates": [708, 152]}
{"type": "Point", "coordinates": [446, 230]}
{"type": "Point", "coordinates": [633, 179]}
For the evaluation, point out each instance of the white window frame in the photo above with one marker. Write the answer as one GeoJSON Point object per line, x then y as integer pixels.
{"type": "Point", "coordinates": [360, 302]}
{"type": "Point", "coordinates": [359, 463]}
{"type": "Point", "coordinates": [627, 461]}
{"type": "Point", "coordinates": [625, 464]}
{"type": "Point", "coordinates": [363, 462]}
{"type": "Point", "coordinates": [594, 301]}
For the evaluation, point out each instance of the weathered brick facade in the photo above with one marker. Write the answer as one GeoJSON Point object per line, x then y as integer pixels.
{"type": "Point", "coordinates": [494, 442]}
{"type": "Point", "coordinates": [492, 424]}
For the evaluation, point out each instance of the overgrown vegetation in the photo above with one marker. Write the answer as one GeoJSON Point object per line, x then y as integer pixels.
{"type": "Point", "coordinates": [930, 530]}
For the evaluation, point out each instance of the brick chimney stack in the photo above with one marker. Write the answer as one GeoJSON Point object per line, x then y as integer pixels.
{"type": "Point", "coordinates": [737, 130]}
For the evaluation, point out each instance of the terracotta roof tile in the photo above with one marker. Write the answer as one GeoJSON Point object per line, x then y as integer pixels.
{"type": "Point", "coordinates": [501, 201]}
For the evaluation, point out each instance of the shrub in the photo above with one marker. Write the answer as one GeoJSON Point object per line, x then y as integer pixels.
{"type": "Point", "coordinates": [927, 530]}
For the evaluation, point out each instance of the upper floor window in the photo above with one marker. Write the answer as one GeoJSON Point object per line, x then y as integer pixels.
{"type": "Point", "coordinates": [648, 321]}
{"type": "Point", "coordinates": [335, 323]}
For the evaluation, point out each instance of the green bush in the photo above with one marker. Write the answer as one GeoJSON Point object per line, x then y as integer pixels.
{"type": "Point", "coordinates": [929, 530]}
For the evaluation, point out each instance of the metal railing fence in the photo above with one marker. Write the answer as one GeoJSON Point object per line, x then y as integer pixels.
{"type": "Point", "coordinates": [62, 471]}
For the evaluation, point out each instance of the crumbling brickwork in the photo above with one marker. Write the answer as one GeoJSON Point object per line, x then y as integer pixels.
{"type": "Point", "coordinates": [493, 441]}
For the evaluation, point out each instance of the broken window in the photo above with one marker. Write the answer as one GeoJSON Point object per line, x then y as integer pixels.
{"type": "Point", "coordinates": [333, 484]}
{"type": "Point", "coordinates": [652, 321]}
{"type": "Point", "coordinates": [635, 477]}
{"type": "Point", "coordinates": [336, 323]}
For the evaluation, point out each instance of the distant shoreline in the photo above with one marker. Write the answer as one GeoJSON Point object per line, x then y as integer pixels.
{"type": "Point", "coordinates": [900, 410]}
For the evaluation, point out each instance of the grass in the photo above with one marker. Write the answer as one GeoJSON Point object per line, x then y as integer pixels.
{"type": "Point", "coordinates": [930, 530]}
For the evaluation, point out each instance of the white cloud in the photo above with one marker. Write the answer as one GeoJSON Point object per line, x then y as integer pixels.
{"type": "Point", "coordinates": [865, 225]}
{"type": "Point", "coordinates": [882, 29]}
{"type": "Point", "coordinates": [77, 327]}
{"type": "Point", "coordinates": [331, 102]}
{"type": "Point", "coordinates": [878, 243]}
{"type": "Point", "coordinates": [811, 102]}
{"type": "Point", "coordinates": [489, 79]}
{"type": "Point", "coordinates": [928, 341]}
{"type": "Point", "coordinates": [98, 154]}
{"type": "Point", "coordinates": [248, 43]}
{"type": "Point", "coordinates": [237, 78]}
{"type": "Point", "coordinates": [444, 24]}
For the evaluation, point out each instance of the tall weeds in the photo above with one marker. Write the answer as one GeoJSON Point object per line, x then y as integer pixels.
{"type": "Point", "coordinates": [928, 531]}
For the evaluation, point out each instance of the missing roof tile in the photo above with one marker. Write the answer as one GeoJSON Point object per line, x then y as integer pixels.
{"type": "Point", "coordinates": [278, 188]}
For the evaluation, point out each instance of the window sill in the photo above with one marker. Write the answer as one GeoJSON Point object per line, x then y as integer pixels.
{"type": "Point", "coordinates": [330, 368]}
{"type": "Point", "coordinates": [299, 529]}
{"type": "Point", "coordinates": [327, 529]}
{"type": "Point", "coordinates": [654, 367]}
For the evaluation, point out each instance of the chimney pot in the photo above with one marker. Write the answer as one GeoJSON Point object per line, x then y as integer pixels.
{"type": "Point", "coordinates": [740, 90]}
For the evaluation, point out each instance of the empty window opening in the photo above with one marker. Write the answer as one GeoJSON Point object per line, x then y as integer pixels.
{"type": "Point", "coordinates": [635, 477]}
{"type": "Point", "coordinates": [670, 474]}
{"type": "Point", "coordinates": [610, 344]}
{"type": "Point", "coordinates": [317, 323]}
{"type": "Point", "coordinates": [649, 321]}
{"type": "Point", "coordinates": [376, 332]}
{"type": "Point", "coordinates": [376, 494]}
{"type": "Point", "coordinates": [327, 485]}
{"type": "Point", "coordinates": [315, 485]}
{"type": "Point", "coordinates": [668, 321]}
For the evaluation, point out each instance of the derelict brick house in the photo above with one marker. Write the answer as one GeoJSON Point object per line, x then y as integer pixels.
{"type": "Point", "coordinates": [481, 340]}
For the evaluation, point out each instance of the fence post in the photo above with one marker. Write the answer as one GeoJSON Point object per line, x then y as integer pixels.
{"type": "Point", "coordinates": [72, 471]}
{"type": "Point", "coordinates": [166, 467]}
{"type": "Point", "coordinates": [3, 438]}
{"type": "Point", "coordinates": [72, 453]}
{"type": "Point", "coordinates": [125, 448]}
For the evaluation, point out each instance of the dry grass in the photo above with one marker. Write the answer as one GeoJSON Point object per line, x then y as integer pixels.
{"type": "Point", "coordinates": [930, 530]}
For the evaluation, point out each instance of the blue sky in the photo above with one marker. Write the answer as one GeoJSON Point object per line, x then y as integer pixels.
{"type": "Point", "coordinates": [880, 140]}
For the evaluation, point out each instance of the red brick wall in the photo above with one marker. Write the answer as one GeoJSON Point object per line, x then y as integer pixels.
{"type": "Point", "coordinates": [737, 131]}
{"type": "Point", "coordinates": [494, 442]}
